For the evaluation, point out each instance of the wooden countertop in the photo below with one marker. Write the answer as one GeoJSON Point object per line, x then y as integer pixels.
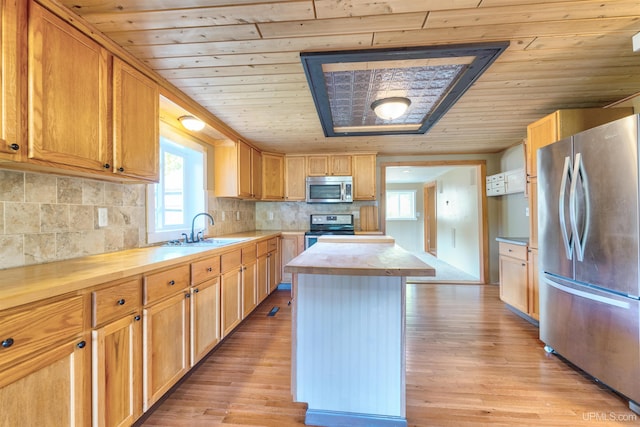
{"type": "Point", "coordinates": [358, 256]}
{"type": "Point", "coordinates": [22, 285]}
{"type": "Point", "coordinates": [522, 241]}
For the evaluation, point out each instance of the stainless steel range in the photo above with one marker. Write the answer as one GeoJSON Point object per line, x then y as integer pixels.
{"type": "Point", "coordinates": [323, 224]}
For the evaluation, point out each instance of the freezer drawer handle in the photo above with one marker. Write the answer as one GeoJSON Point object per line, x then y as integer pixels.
{"type": "Point", "coordinates": [567, 173]}
{"type": "Point", "coordinates": [587, 295]}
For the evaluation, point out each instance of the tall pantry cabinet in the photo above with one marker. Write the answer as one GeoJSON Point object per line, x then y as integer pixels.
{"type": "Point", "coordinates": [547, 130]}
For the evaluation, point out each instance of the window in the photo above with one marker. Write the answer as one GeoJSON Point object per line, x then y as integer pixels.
{"type": "Point", "coordinates": [180, 193]}
{"type": "Point", "coordinates": [401, 204]}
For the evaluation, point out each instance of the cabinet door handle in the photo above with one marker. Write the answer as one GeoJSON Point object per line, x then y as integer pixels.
{"type": "Point", "coordinates": [172, 282]}
{"type": "Point", "coordinates": [14, 147]}
{"type": "Point", "coordinates": [7, 343]}
{"type": "Point", "coordinates": [210, 269]}
{"type": "Point", "coordinates": [106, 166]}
{"type": "Point", "coordinates": [81, 344]}
{"type": "Point", "coordinates": [120, 169]}
{"type": "Point", "coordinates": [121, 301]}
{"type": "Point", "coordinates": [187, 295]}
{"type": "Point", "coordinates": [137, 318]}
{"type": "Point", "coordinates": [196, 290]}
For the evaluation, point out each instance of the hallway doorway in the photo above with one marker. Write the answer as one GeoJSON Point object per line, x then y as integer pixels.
{"type": "Point", "coordinates": [437, 211]}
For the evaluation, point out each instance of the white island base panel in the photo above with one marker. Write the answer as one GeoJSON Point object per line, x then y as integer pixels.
{"type": "Point", "coordinates": [349, 349]}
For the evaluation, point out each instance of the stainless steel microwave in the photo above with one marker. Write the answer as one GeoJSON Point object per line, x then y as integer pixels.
{"type": "Point", "coordinates": [329, 189]}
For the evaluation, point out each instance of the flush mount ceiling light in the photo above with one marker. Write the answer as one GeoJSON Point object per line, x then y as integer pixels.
{"type": "Point", "coordinates": [191, 123]}
{"type": "Point", "coordinates": [348, 85]}
{"type": "Point", "coordinates": [390, 108]}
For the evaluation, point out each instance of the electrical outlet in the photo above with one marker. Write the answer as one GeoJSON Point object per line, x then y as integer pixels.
{"type": "Point", "coordinates": [237, 215]}
{"type": "Point", "coordinates": [526, 211]}
{"type": "Point", "coordinates": [103, 217]}
{"type": "Point", "coordinates": [222, 216]}
{"type": "Point", "coordinates": [270, 216]}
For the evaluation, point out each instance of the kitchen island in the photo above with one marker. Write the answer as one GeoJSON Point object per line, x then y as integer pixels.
{"type": "Point", "coordinates": [348, 337]}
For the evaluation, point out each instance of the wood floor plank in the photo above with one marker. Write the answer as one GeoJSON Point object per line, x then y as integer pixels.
{"type": "Point", "coordinates": [470, 362]}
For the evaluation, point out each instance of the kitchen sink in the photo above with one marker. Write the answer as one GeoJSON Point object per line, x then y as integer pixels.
{"type": "Point", "coordinates": [210, 242]}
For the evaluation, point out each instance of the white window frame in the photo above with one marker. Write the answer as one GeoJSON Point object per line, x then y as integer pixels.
{"type": "Point", "coordinates": [410, 216]}
{"type": "Point", "coordinates": [197, 197]}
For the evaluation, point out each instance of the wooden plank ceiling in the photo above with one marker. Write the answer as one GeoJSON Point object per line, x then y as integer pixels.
{"type": "Point", "coordinates": [240, 60]}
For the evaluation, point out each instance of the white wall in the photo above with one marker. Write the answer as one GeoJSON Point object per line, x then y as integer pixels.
{"type": "Point", "coordinates": [512, 219]}
{"type": "Point", "coordinates": [458, 229]}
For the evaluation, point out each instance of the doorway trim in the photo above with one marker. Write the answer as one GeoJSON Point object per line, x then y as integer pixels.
{"type": "Point", "coordinates": [483, 222]}
{"type": "Point", "coordinates": [430, 211]}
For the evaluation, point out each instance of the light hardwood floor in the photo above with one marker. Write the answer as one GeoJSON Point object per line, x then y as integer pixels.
{"type": "Point", "coordinates": [470, 362]}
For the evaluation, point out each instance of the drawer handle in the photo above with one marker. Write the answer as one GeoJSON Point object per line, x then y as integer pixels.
{"type": "Point", "coordinates": [172, 282]}
{"type": "Point", "coordinates": [121, 302]}
{"type": "Point", "coordinates": [81, 344]}
{"type": "Point", "coordinates": [209, 269]}
{"type": "Point", "coordinates": [137, 318]}
{"type": "Point", "coordinates": [7, 343]}
{"type": "Point", "coordinates": [510, 250]}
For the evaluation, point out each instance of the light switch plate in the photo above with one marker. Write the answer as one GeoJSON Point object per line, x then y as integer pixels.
{"type": "Point", "coordinates": [103, 217]}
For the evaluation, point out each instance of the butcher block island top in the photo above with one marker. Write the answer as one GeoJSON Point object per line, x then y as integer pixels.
{"type": "Point", "coordinates": [358, 256]}
{"type": "Point", "coordinates": [348, 330]}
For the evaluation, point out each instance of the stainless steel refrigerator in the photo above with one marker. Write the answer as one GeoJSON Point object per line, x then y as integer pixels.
{"type": "Point", "coordinates": [589, 253]}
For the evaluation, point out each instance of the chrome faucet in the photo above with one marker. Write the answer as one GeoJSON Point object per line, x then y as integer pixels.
{"type": "Point", "coordinates": [195, 237]}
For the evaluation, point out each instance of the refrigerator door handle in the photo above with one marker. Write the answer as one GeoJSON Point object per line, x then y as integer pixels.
{"type": "Point", "coordinates": [566, 174]}
{"type": "Point", "coordinates": [579, 175]}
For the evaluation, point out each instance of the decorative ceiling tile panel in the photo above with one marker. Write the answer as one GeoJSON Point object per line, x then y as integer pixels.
{"type": "Point", "coordinates": [345, 84]}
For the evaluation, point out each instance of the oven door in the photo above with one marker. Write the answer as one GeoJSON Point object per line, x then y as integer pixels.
{"type": "Point", "coordinates": [310, 240]}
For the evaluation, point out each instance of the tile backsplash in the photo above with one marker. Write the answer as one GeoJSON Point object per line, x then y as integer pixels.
{"type": "Point", "coordinates": [46, 218]}
{"type": "Point", "coordinates": [293, 216]}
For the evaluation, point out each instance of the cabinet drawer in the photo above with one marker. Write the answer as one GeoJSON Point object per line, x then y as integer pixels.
{"type": "Point", "coordinates": [263, 248]}
{"type": "Point", "coordinates": [514, 251]}
{"type": "Point", "coordinates": [230, 260]}
{"type": "Point", "coordinates": [205, 269]}
{"type": "Point", "coordinates": [164, 283]}
{"type": "Point", "coordinates": [272, 244]}
{"type": "Point", "coordinates": [116, 301]}
{"type": "Point", "coordinates": [249, 253]}
{"type": "Point", "coordinates": [37, 327]}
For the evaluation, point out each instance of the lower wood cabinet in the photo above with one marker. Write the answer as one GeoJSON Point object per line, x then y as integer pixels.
{"type": "Point", "coordinates": [103, 356]}
{"type": "Point", "coordinates": [117, 372]}
{"type": "Point", "coordinates": [205, 318]}
{"type": "Point", "coordinates": [231, 292]}
{"type": "Point", "coordinates": [50, 389]}
{"type": "Point", "coordinates": [45, 364]}
{"type": "Point", "coordinates": [532, 285]}
{"type": "Point", "coordinates": [166, 346]}
{"type": "Point", "coordinates": [513, 275]}
{"type": "Point", "coordinates": [291, 245]}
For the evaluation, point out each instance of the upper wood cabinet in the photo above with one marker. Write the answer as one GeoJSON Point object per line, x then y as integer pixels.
{"type": "Point", "coordinates": [237, 171]}
{"type": "Point", "coordinates": [77, 90]}
{"type": "Point", "coordinates": [12, 85]}
{"type": "Point", "coordinates": [294, 178]}
{"type": "Point", "coordinates": [563, 123]}
{"type": "Point", "coordinates": [68, 95]}
{"type": "Point", "coordinates": [333, 164]}
{"type": "Point", "coordinates": [272, 176]}
{"type": "Point", "coordinates": [136, 120]}
{"type": "Point", "coordinates": [364, 176]}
